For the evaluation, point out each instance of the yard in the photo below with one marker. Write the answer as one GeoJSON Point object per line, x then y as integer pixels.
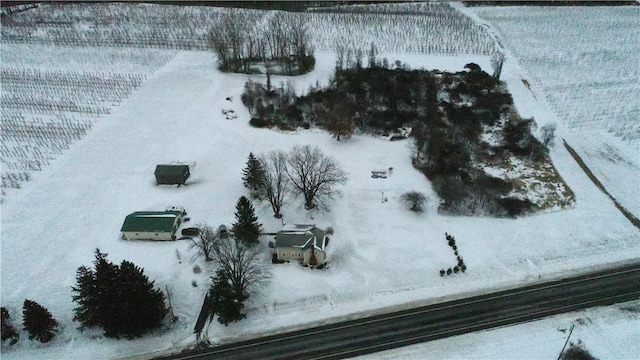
{"type": "Point", "coordinates": [381, 256]}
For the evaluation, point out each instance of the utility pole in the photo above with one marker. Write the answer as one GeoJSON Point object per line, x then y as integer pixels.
{"type": "Point", "coordinates": [566, 342]}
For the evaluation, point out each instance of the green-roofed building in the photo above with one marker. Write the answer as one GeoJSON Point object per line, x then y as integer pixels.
{"type": "Point", "coordinates": [171, 174]}
{"type": "Point", "coordinates": [151, 225]}
{"type": "Point", "coordinates": [305, 243]}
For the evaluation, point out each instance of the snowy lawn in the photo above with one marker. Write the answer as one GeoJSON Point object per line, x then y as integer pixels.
{"type": "Point", "coordinates": [381, 256]}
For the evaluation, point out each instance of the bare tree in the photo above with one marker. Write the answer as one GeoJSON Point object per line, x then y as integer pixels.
{"type": "Point", "coordinates": [220, 44]}
{"type": "Point", "coordinates": [241, 265]}
{"type": "Point", "coordinates": [339, 120]}
{"type": "Point", "coordinates": [497, 60]}
{"type": "Point", "coordinates": [359, 56]}
{"type": "Point", "coordinates": [206, 241]}
{"type": "Point", "coordinates": [229, 39]}
{"type": "Point", "coordinates": [314, 176]}
{"type": "Point", "coordinates": [548, 134]}
{"type": "Point", "coordinates": [340, 50]}
{"type": "Point", "coordinates": [299, 35]}
{"type": "Point", "coordinates": [373, 51]}
{"type": "Point", "coordinates": [275, 185]}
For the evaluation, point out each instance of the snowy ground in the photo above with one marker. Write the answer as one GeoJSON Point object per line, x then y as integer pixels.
{"type": "Point", "coordinates": [381, 255]}
{"type": "Point", "coordinates": [606, 333]}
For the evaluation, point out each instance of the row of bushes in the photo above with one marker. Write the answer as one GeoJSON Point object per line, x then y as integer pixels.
{"type": "Point", "coordinates": [460, 266]}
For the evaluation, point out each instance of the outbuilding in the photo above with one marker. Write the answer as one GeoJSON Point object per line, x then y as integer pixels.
{"type": "Point", "coordinates": [171, 174]}
{"type": "Point", "coordinates": [152, 225]}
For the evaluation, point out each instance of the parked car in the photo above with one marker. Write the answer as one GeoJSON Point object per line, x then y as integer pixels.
{"type": "Point", "coordinates": [191, 231]}
{"type": "Point", "coordinates": [223, 232]}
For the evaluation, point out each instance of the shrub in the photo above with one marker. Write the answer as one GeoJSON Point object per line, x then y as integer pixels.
{"type": "Point", "coordinates": [414, 200]}
{"type": "Point", "coordinates": [442, 272]}
{"type": "Point", "coordinates": [463, 268]}
{"type": "Point", "coordinates": [260, 122]}
{"type": "Point", "coordinates": [8, 331]}
{"type": "Point", "coordinates": [576, 352]}
{"type": "Point", "coordinates": [118, 298]}
{"type": "Point", "coordinates": [329, 230]}
{"type": "Point", "coordinates": [38, 321]}
{"type": "Point", "coordinates": [515, 207]}
{"type": "Point", "coordinates": [449, 271]}
{"type": "Point", "coordinates": [456, 269]}
{"type": "Point", "coordinates": [197, 269]}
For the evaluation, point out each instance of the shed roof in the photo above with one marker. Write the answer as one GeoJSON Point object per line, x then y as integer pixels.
{"type": "Point", "coordinates": [301, 236]}
{"type": "Point", "coordinates": [172, 169]}
{"type": "Point", "coordinates": [161, 221]}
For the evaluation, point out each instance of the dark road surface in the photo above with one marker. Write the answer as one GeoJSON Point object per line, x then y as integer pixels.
{"type": "Point", "coordinates": [387, 331]}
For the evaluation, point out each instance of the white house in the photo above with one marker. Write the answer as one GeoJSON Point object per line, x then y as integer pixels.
{"type": "Point", "coordinates": [305, 243]}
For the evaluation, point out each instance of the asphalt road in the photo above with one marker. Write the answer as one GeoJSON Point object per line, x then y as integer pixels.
{"type": "Point", "coordinates": [392, 330]}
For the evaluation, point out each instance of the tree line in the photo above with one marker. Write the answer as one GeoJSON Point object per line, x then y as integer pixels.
{"type": "Point", "coordinates": [242, 38]}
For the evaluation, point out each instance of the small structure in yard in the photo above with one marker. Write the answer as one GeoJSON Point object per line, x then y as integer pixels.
{"type": "Point", "coordinates": [172, 174]}
{"type": "Point", "coordinates": [152, 225]}
{"type": "Point", "coordinates": [304, 243]}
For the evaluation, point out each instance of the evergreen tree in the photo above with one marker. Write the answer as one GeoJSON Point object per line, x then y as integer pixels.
{"type": "Point", "coordinates": [38, 321]}
{"type": "Point", "coordinates": [119, 299]}
{"type": "Point", "coordinates": [246, 228]}
{"type": "Point", "coordinates": [87, 298]}
{"type": "Point", "coordinates": [137, 308]}
{"type": "Point", "coordinates": [8, 331]}
{"type": "Point", "coordinates": [224, 300]}
{"type": "Point", "coordinates": [252, 175]}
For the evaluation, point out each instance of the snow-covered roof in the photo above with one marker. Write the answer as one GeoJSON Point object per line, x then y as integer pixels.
{"type": "Point", "coordinates": [300, 236]}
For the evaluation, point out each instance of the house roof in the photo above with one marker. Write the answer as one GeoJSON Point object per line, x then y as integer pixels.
{"type": "Point", "coordinates": [172, 170]}
{"type": "Point", "coordinates": [300, 236]}
{"type": "Point", "coordinates": [161, 221]}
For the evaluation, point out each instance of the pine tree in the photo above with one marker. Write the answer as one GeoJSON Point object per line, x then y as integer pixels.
{"type": "Point", "coordinates": [252, 175]}
{"type": "Point", "coordinates": [119, 299]}
{"type": "Point", "coordinates": [38, 321]}
{"type": "Point", "coordinates": [87, 312]}
{"type": "Point", "coordinates": [224, 300]}
{"type": "Point", "coordinates": [8, 331]}
{"type": "Point", "coordinates": [246, 228]}
{"type": "Point", "coordinates": [139, 308]}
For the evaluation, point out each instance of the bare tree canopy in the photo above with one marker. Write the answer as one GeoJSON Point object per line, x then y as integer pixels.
{"type": "Point", "coordinates": [275, 182]}
{"type": "Point", "coordinates": [241, 265]}
{"type": "Point", "coordinates": [314, 176]}
{"type": "Point", "coordinates": [497, 61]}
{"type": "Point", "coordinates": [339, 120]}
{"type": "Point", "coordinates": [239, 37]}
{"type": "Point", "coordinates": [548, 134]}
{"type": "Point", "coordinates": [206, 241]}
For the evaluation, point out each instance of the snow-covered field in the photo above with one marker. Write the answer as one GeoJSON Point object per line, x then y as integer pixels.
{"type": "Point", "coordinates": [381, 256]}
{"type": "Point", "coordinates": [606, 333]}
